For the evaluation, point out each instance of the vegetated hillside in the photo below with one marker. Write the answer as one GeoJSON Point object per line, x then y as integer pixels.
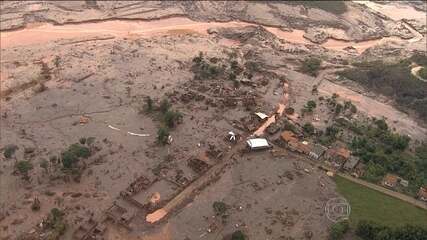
{"type": "Point", "coordinates": [335, 7]}
{"type": "Point", "coordinates": [394, 80]}
{"type": "Point", "coordinates": [383, 151]}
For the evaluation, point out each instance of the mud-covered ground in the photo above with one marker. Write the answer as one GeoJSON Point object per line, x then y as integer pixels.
{"type": "Point", "coordinates": [56, 91]}
{"type": "Point", "coordinates": [357, 22]}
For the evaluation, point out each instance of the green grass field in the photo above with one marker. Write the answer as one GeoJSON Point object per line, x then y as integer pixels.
{"type": "Point", "coordinates": [368, 204]}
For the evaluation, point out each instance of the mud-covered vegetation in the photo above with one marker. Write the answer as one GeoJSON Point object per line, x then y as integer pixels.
{"type": "Point", "coordinates": [73, 154]}
{"type": "Point", "coordinates": [311, 66]}
{"type": "Point", "coordinates": [394, 80]}
{"type": "Point", "coordinates": [167, 117]}
{"type": "Point", "coordinates": [336, 7]}
{"type": "Point", "coordinates": [423, 72]}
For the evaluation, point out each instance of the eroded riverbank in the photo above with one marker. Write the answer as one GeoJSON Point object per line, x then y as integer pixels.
{"type": "Point", "coordinates": [43, 33]}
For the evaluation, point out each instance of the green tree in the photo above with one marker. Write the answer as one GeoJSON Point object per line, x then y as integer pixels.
{"type": "Point", "coordinates": [171, 118]}
{"type": "Point", "coordinates": [79, 150]}
{"type": "Point", "coordinates": [163, 135]}
{"type": "Point", "coordinates": [238, 235]}
{"type": "Point", "coordinates": [9, 150]}
{"type": "Point", "coordinates": [71, 156]}
{"type": "Point", "coordinates": [68, 159]}
{"type": "Point", "coordinates": [56, 223]}
{"type": "Point", "coordinates": [338, 108]}
{"type": "Point", "coordinates": [219, 208]}
{"type": "Point", "coordinates": [338, 230]}
{"type": "Point", "coordinates": [149, 104]}
{"type": "Point", "coordinates": [308, 128]}
{"type": "Point", "coordinates": [164, 106]}
{"type": "Point", "coordinates": [311, 66]}
{"type": "Point", "coordinates": [310, 105]}
{"type": "Point", "coordinates": [82, 140]}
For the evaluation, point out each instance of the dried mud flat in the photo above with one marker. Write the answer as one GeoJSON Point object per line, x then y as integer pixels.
{"type": "Point", "coordinates": [96, 75]}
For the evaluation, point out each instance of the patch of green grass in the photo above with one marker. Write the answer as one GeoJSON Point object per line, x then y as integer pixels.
{"type": "Point", "coordinates": [371, 205]}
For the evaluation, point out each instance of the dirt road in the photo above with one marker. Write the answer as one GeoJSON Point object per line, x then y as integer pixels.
{"type": "Point", "coordinates": [279, 112]}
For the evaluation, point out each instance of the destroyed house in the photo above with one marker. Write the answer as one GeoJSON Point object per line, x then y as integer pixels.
{"type": "Point", "coordinates": [351, 163]}
{"type": "Point", "coordinates": [299, 147]}
{"type": "Point", "coordinates": [316, 151]}
{"type": "Point", "coordinates": [337, 156]}
{"type": "Point", "coordinates": [288, 136]}
{"type": "Point", "coordinates": [422, 194]}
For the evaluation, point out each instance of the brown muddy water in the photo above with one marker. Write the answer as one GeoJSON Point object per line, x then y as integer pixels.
{"type": "Point", "coordinates": [42, 33]}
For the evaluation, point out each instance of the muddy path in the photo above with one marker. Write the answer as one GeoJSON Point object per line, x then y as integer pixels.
{"type": "Point", "coordinates": [279, 112]}
{"type": "Point", "coordinates": [43, 33]}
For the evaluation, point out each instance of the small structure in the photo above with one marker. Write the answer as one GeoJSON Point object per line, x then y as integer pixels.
{"type": "Point", "coordinates": [422, 194]}
{"type": "Point", "coordinates": [258, 143]}
{"type": "Point", "coordinates": [351, 163]}
{"type": "Point", "coordinates": [316, 151]}
{"type": "Point", "coordinates": [89, 230]}
{"type": "Point", "coordinates": [403, 182]}
{"type": "Point", "coordinates": [390, 180]}
{"type": "Point", "coordinates": [261, 115]}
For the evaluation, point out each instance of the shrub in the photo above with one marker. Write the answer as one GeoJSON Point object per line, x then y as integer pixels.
{"type": "Point", "coordinates": [82, 140]}
{"type": "Point", "coordinates": [163, 135]}
{"type": "Point", "coordinates": [79, 150]}
{"type": "Point", "coordinates": [164, 106]}
{"type": "Point", "coordinates": [171, 118]}
{"type": "Point", "coordinates": [238, 235]}
{"type": "Point", "coordinates": [44, 164]}
{"type": "Point", "coordinates": [73, 153]}
{"type": "Point", "coordinates": [55, 222]}
{"type": "Point", "coordinates": [90, 140]}
{"type": "Point", "coordinates": [203, 69]}
{"type": "Point", "coordinates": [308, 128]}
{"type": "Point", "coordinates": [310, 105]}
{"type": "Point", "coordinates": [149, 104]}
{"type": "Point", "coordinates": [289, 110]}
{"type": "Point", "coordinates": [338, 108]}
{"type": "Point", "coordinates": [68, 159]}
{"type": "Point", "coordinates": [9, 150]}
{"type": "Point", "coordinates": [338, 230]}
{"type": "Point", "coordinates": [335, 95]}
{"type": "Point", "coordinates": [219, 208]}
{"type": "Point", "coordinates": [35, 206]}
{"type": "Point", "coordinates": [423, 72]}
{"type": "Point", "coordinates": [24, 167]}
{"type": "Point", "coordinates": [311, 66]}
